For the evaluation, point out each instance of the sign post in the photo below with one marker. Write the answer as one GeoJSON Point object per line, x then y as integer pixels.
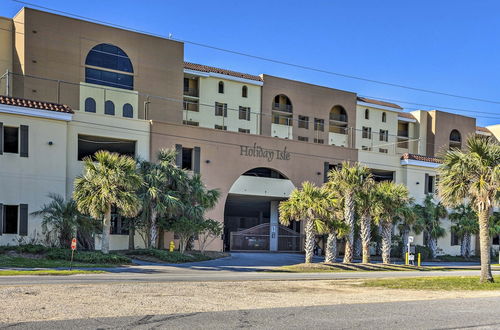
{"type": "Point", "coordinates": [410, 257]}
{"type": "Point", "coordinates": [73, 248]}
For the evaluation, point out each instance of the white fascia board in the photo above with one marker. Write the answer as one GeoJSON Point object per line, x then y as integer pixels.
{"type": "Point", "coordinates": [408, 120]}
{"type": "Point", "coordinates": [483, 133]}
{"type": "Point", "coordinates": [419, 163]}
{"type": "Point", "coordinates": [223, 76]}
{"type": "Point", "coordinates": [376, 106]}
{"type": "Point", "coordinates": [15, 110]}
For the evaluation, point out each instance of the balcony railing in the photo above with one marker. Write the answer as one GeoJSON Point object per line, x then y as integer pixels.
{"type": "Point", "coordinates": [282, 107]}
{"type": "Point", "coordinates": [191, 106]}
{"type": "Point", "coordinates": [403, 133]}
{"type": "Point", "coordinates": [338, 117]}
{"type": "Point", "coordinates": [403, 143]}
{"type": "Point", "coordinates": [338, 129]}
{"type": "Point", "coordinates": [191, 92]}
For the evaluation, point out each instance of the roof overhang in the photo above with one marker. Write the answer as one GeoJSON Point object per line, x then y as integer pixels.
{"type": "Point", "coordinates": [408, 120]}
{"type": "Point", "coordinates": [223, 76]}
{"type": "Point", "coordinates": [420, 163]}
{"type": "Point", "coordinates": [15, 110]}
{"type": "Point", "coordinates": [377, 106]}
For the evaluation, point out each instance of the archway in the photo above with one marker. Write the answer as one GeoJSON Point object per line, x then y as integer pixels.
{"type": "Point", "coordinates": [251, 213]}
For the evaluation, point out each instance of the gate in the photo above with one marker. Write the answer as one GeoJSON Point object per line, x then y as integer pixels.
{"type": "Point", "coordinates": [251, 239]}
{"type": "Point", "coordinates": [289, 240]}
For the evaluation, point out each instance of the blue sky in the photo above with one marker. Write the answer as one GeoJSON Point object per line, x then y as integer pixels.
{"type": "Point", "coordinates": [447, 46]}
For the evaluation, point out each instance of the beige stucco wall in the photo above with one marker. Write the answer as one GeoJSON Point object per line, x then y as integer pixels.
{"type": "Point", "coordinates": [495, 130]}
{"type": "Point", "coordinates": [208, 95]}
{"type": "Point", "coordinates": [6, 34]}
{"type": "Point", "coordinates": [101, 94]}
{"type": "Point", "coordinates": [28, 180]}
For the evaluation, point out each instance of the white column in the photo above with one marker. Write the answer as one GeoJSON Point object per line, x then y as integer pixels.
{"type": "Point", "coordinates": [273, 228]}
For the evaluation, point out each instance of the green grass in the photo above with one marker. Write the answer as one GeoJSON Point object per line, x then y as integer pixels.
{"type": "Point", "coordinates": [175, 257]}
{"type": "Point", "coordinates": [341, 267]}
{"type": "Point", "coordinates": [22, 262]}
{"type": "Point", "coordinates": [434, 283]}
{"type": "Point", "coordinates": [48, 272]}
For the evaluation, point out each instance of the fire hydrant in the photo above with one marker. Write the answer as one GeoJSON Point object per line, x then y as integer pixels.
{"type": "Point", "coordinates": [171, 246]}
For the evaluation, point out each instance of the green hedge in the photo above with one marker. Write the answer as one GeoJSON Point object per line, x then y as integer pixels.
{"type": "Point", "coordinates": [93, 257]}
{"type": "Point", "coordinates": [171, 257]}
{"type": "Point", "coordinates": [25, 248]}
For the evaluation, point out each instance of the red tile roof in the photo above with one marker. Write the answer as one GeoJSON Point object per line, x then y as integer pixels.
{"type": "Point", "coordinates": [406, 115]}
{"type": "Point", "coordinates": [482, 129]}
{"type": "Point", "coordinates": [372, 101]}
{"type": "Point", "coordinates": [408, 156]}
{"type": "Point", "coordinates": [206, 68]}
{"type": "Point", "coordinates": [18, 102]}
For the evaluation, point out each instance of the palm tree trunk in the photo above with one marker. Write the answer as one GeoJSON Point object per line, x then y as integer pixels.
{"type": "Point", "coordinates": [357, 246]}
{"type": "Point", "coordinates": [365, 233]}
{"type": "Point", "coordinates": [386, 242]}
{"type": "Point", "coordinates": [484, 245]}
{"type": "Point", "coordinates": [349, 219]}
{"type": "Point", "coordinates": [309, 245]}
{"type": "Point", "coordinates": [405, 233]}
{"type": "Point", "coordinates": [153, 234]}
{"type": "Point", "coordinates": [106, 228]}
{"type": "Point", "coordinates": [433, 246]}
{"type": "Point", "coordinates": [331, 247]}
{"type": "Point", "coordinates": [131, 238]}
{"type": "Point", "coordinates": [379, 240]}
{"type": "Point", "coordinates": [465, 245]}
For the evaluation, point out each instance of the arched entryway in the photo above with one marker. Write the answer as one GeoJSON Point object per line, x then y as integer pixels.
{"type": "Point", "coordinates": [251, 213]}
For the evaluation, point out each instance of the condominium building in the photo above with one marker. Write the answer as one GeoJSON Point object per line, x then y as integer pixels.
{"type": "Point", "coordinates": [253, 137]}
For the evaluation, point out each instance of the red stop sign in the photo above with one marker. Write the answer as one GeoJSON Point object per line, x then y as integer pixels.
{"type": "Point", "coordinates": [73, 244]}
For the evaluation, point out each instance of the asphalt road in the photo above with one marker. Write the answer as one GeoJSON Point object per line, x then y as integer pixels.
{"type": "Point", "coordinates": [479, 313]}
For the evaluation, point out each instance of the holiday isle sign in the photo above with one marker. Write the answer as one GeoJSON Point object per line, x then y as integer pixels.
{"type": "Point", "coordinates": [259, 152]}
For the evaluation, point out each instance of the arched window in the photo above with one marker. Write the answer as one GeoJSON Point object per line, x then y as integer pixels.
{"type": "Point", "coordinates": [367, 114]}
{"type": "Point", "coordinates": [338, 120]}
{"type": "Point", "coordinates": [384, 117]}
{"type": "Point", "coordinates": [244, 91]}
{"type": "Point", "coordinates": [89, 105]}
{"type": "Point", "coordinates": [128, 111]}
{"type": "Point", "coordinates": [221, 87]}
{"type": "Point", "coordinates": [109, 108]}
{"type": "Point", "coordinates": [109, 65]}
{"type": "Point", "coordinates": [455, 139]}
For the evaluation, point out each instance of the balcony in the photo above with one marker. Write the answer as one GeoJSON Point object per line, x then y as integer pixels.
{"type": "Point", "coordinates": [193, 92]}
{"type": "Point", "coordinates": [191, 106]}
{"type": "Point", "coordinates": [403, 133]}
{"type": "Point", "coordinates": [338, 129]}
{"type": "Point", "coordinates": [282, 107]}
{"type": "Point", "coordinates": [338, 117]}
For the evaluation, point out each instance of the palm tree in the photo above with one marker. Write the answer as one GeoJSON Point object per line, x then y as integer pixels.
{"type": "Point", "coordinates": [393, 199]}
{"type": "Point", "coordinates": [335, 227]}
{"type": "Point", "coordinates": [465, 225]}
{"type": "Point", "coordinates": [309, 204]}
{"type": "Point", "coordinates": [62, 219]}
{"type": "Point", "coordinates": [366, 206]}
{"type": "Point", "coordinates": [474, 175]}
{"type": "Point", "coordinates": [348, 180]}
{"type": "Point", "coordinates": [109, 181]}
{"type": "Point", "coordinates": [407, 221]}
{"type": "Point", "coordinates": [429, 216]}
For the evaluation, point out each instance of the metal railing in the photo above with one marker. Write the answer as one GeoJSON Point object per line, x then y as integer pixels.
{"type": "Point", "coordinates": [191, 92]}
{"type": "Point", "coordinates": [282, 107]}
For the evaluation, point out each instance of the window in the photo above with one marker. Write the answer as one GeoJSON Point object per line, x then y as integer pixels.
{"type": "Point", "coordinates": [191, 105]}
{"type": "Point", "coordinates": [383, 150]}
{"type": "Point", "coordinates": [367, 132]}
{"type": "Point", "coordinates": [282, 103]}
{"type": "Point", "coordinates": [11, 219]}
{"type": "Point", "coordinates": [455, 239]}
{"type": "Point", "coordinates": [367, 114]}
{"type": "Point", "coordinates": [366, 148]}
{"type": "Point", "coordinates": [191, 123]}
{"type": "Point", "coordinates": [244, 91]}
{"type": "Point", "coordinates": [88, 145]}
{"type": "Point", "coordinates": [221, 87]}
{"type": "Point", "coordinates": [384, 117]}
{"type": "Point", "coordinates": [429, 184]}
{"type": "Point", "coordinates": [304, 122]}
{"type": "Point", "coordinates": [109, 108]}
{"type": "Point", "coordinates": [303, 138]}
{"type": "Point", "coordinates": [384, 135]}
{"type": "Point", "coordinates": [224, 128]}
{"type": "Point", "coordinates": [319, 124]}
{"type": "Point", "coordinates": [11, 139]}
{"type": "Point", "coordinates": [496, 240]}
{"type": "Point", "coordinates": [128, 110]}
{"type": "Point", "coordinates": [244, 130]}
{"type": "Point", "coordinates": [187, 158]}
{"type": "Point", "coordinates": [119, 224]}
{"type": "Point", "coordinates": [105, 57]}
{"type": "Point", "coordinates": [455, 140]}
{"type": "Point", "coordinates": [90, 105]}
{"type": "Point", "coordinates": [221, 109]}
{"type": "Point", "coordinates": [244, 113]}
{"type": "Point", "coordinates": [319, 141]}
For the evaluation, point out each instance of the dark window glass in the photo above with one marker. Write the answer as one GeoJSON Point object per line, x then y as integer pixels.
{"type": "Point", "coordinates": [319, 124]}
{"type": "Point", "coordinates": [430, 184]}
{"type": "Point", "coordinates": [187, 158]}
{"type": "Point", "coordinates": [304, 122]}
{"type": "Point", "coordinates": [88, 145]}
{"type": "Point", "coordinates": [384, 117]}
{"type": "Point", "coordinates": [367, 114]}
{"type": "Point", "coordinates": [109, 108]}
{"type": "Point", "coordinates": [11, 216]}
{"type": "Point", "coordinates": [221, 109]}
{"type": "Point", "coordinates": [128, 111]}
{"type": "Point", "coordinates": [244, 91]}
{"type": "Point", "coordinates": [244, 113]}
{"type": "Point", "coordinates": [109, 57]}
{"type": "Point", "coordinates": [221, 87]}
{"type": "Point", "coordinates": [265, 172]}
{"type": "Point", "coordinates": [11, 139]}
{"type": "Point", "coordinates": [111, 79]}
{"type": "Point", "coordinates": [119, 224]}
{"type": "Point", "coordinates": [90, 104]}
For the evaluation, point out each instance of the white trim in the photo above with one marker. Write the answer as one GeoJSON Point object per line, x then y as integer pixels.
{"type": "Point", "coordinates": [483, 133]}
{"type": "Point", "coordinates": [408, 120]}
{"type": "Point", "coordinates": [16, 110]}
{"type": "Point", "coordinates": [376, 106]}
{"type": "Point", "coordinates": [223, 76]}
{"type": "Point", "coordinates": [419, 163]}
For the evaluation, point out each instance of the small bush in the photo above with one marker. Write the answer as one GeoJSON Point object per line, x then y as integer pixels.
{"type": "Point", "coordinates": [171, 257]}
{"type": "Point", "coordinates": [93, 257]}
{"type": "Point", "coordinates": [425, 252]}
{"type": "Point", "coordinates": [25, 248]}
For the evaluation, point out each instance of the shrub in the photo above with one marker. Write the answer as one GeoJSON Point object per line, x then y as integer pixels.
{"type": "Point", "coordinates": [424, 251]}
{"type": "Point", "coordinates": [92, 257]}
{"type": "Point", "coordinates": [171, 257]}
{"type": "Point", "coordinates": [25, 248]}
